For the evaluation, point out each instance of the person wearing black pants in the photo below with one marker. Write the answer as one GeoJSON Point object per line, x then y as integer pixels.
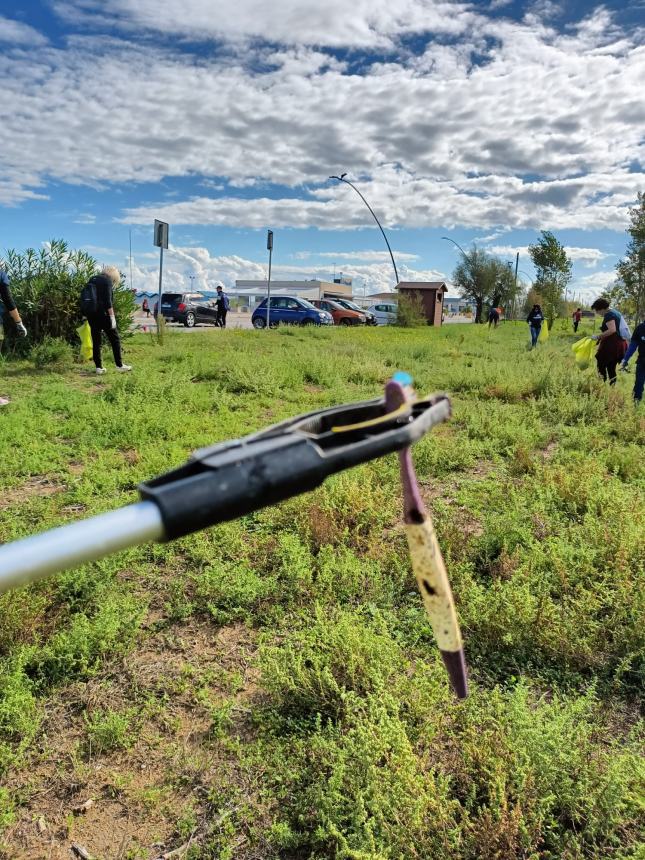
{"type": "Point", "coordinates": [611, 346]}
{"type": "Point", "coordinates": [104, 320]}
{"type": "Point", "coordinates": [222, 307]}
{"type": "Point", "coordinates": [637, 344]}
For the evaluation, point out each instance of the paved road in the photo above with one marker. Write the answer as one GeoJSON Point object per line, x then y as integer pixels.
{"type": "Point", "coordinates": [233, 320]}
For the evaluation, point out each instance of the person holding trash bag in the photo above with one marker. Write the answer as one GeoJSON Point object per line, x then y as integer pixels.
{"type": "Point", "coordinates": [611, 346]}
{"type": "Point", "coordinates": [223, 306]}
{"type": "Point", "coordinates": [96, 305]}
{"type": "Point", "coordinates": [637, 343]}
{"type": "Point", "coordinates": [8, 304]}
{"type": "Point", "coordinates": [535, 320]}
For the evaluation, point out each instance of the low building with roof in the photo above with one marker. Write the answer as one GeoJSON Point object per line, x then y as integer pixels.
{"type": "Point", "coordinates": [429, 294]}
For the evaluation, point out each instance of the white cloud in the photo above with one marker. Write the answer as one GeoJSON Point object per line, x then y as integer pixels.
{"type": "Point", "coordinates": [17, 33]}
{"type": "Point", "coordinates": [588, 257]}
{"type": "Point", "coordinates": [182, 262]}
{"type": "Point", "coordinates": [335, 23]}
{"type": "Point", "coordinates": [425, 136]}
{"type": "Point", "coordinates": [355, 256]}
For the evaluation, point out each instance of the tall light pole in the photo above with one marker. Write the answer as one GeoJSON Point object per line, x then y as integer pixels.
{"type": "Point", "coordinates": [465, 256]}
{"type": "Point", "coordinates": [341, 178]}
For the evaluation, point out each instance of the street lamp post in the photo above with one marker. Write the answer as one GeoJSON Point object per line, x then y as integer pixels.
{"type": "Point", "coordinates": [465, 256]}
{"type": "Point", "coordinates": [341, 178]}
{"type": "Point", "coordinates": [270, 250]}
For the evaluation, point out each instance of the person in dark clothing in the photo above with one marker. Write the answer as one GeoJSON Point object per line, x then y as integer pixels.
{"type": "Point", "coordinates": [145, 307]}
{"type": "Point", "coordinates": [104, 320]}
{"type": "Point", "coordinates": [493, 317]}
{"type": "Point", "coordinates": [611, 346]}
{"type": "Point", "coordinates": [223, 305]}
{"type": "Point", "coordinates": [535, 320]}
{"type": "Point", "coordinates": [8, 304]}
{"type": "Point", "coordinates": [637, 343]}
{"type": "Point", "coordinates": [577, 316]}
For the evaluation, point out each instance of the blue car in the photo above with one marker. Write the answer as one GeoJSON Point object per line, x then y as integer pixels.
{"type": "Point", "coordinates": [290, 311]}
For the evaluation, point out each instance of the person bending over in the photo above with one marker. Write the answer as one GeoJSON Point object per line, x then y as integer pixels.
{"type": "Point", "coordinates": [102, 318]}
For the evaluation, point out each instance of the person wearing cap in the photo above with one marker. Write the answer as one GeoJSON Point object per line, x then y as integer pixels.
{"type": "Point", "coordinates": [8, 304]}
{"type": "Point", "coordinates": [223, 306]}
{"type": "Point", "coordinates": [103, 319]}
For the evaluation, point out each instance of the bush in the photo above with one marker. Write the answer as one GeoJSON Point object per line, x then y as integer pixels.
{"type": "Point", "coordinates": [410, 312]}
{"type": "Point", "coordinates": [52, 352]}
{"type": "Point", "coordinates": [47, 287]}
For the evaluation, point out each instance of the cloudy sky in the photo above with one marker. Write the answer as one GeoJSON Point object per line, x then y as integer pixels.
{"type": "Point", "coordinates": [483, 121]}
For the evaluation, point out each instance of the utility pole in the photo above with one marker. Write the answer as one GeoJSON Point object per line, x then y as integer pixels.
{"type": "Point", "coordinates": [270, 250]}
{"type": "Point", "coordinates": [130, 236]}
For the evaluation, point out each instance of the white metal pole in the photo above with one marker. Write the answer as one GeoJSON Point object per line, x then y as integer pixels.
{"type": "Point", "coordinates": [160, 280]}
{"type": "Point", "coordinates": [270, 247]}
{"type": "Point", "coordinates": [78, 543]}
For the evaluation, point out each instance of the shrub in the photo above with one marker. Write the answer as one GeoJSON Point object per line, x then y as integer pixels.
{"type": "Point", "coordinates": [47, 287]}
{"type": "Point", "coordinates": [410, 313]}
{"type": "Point", "coordinates": [52, 352]}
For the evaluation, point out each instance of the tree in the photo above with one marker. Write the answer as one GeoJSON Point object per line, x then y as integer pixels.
{"type": "Point", "coordinates": [47, 284]}
{"type": "Point", "coordinates": [553, 273]}
{"type": "Point", "coordinates": [484, 279]}
{"type": "Point", "coordinates": [628, 293]}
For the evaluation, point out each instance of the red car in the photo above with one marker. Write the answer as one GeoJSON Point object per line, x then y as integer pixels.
{"type": "Point", "coordinates": [341, 315]}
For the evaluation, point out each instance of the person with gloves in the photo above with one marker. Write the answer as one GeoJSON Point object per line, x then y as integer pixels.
{"type": "Point", "coordinates": [611, 346]}
{"type": "Point", "coordinates": [8, 304]}
{"type": "Point", "coordinates": [100, 316]}
{"type": "Point", "coordinates": [637, 343]}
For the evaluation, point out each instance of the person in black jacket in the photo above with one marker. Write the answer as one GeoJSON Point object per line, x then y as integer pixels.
{"type": "Point", "coordinates": [104, 320]}
{"type": "Point", "coordinates": [8, 304]}
{"type": "Point", "coordinates": [637, 344]}
{"type": "Point", "coordinates": [535, 320]}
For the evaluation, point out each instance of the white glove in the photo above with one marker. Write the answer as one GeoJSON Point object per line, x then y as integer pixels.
{"type": "Point", "coordinates": [20, 328]}
{"type": "Point", "coordinates": [113, 322]}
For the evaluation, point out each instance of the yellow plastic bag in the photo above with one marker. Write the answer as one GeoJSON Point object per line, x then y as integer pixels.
{"type": "Point", "coordinates": [544, 332]}
{"type": "Point", "coordinates": [85, 335]}
{"type": "Point", "coordinates": [584, 351]}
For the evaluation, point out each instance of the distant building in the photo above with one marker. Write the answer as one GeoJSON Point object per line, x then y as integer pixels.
{"type": "Point", "coordinates": [392, 298]}
{"type": "Point", "coordinates": [255, 291]}
{"type": "Point", "coordinates": [457, 306]}
{"type": "Point", "coordinates": [430, 295]}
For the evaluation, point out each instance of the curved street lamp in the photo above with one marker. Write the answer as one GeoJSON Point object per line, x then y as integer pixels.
{"type": "Point", "coordinates": [341, 178]}
{"type": "Point", "coordinates": [448, 239]}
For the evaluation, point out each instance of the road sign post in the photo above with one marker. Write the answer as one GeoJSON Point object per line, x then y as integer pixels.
{"type": "Point", "coordinates": [270, 250]}
{"type": "Point", "coordinates": [161, 242]}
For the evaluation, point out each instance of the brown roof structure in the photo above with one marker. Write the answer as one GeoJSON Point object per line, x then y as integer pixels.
{"type": "Point", "coordinates": [422, 285]}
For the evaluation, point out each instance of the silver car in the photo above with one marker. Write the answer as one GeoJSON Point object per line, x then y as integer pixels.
{"type": "Point", "coordinates": [385, 314]}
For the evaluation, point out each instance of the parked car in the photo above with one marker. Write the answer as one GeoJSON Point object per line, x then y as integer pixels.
{"type": "Point", "coordinates": [289, 310]}
{"type": "Point", "coordinates": [188, 308]}
{"type": "Point", "coordinates": [370, 319]}
{"type": "Point", "coordinates": [340, 314]}
{"type": "Point", "coordinates": [385, 313]}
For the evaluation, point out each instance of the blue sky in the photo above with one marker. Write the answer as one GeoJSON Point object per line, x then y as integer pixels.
{"type": "Point", "coordinates": [485, 122]}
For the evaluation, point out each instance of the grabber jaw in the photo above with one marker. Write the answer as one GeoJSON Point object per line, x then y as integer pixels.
{"type": "Point", "coordinates": [425, 553]}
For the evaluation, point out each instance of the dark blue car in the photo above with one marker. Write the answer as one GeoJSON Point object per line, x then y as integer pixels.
{"type": "Point", "coordinates": [290, 311]}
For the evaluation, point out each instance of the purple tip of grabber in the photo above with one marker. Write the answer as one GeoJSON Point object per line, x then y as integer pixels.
{"type": "Point", "coordinates": [455, 663]}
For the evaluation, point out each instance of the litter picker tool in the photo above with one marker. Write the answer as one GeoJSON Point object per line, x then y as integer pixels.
{"type": "Point", "coordinates": [234, 478]}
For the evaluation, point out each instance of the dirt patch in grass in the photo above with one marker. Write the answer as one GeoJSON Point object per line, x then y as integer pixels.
{"type": "Point", "coordinates": [38, 485]}
{"type": "Point", "coordinates": [150, 796]}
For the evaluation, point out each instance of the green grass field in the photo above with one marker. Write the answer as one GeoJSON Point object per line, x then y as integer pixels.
{"type": "Point", "coordinates": [270, 688]}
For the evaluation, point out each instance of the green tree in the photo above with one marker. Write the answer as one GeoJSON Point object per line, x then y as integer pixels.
{"type": "Point", "coordinates": [628, 292]}
{"type": "Point", "coordinates": [47, 284]}
{"type": "Point", "coordinates": [484, 280]}
{"type": "Point", "coordinates": [553, 273]}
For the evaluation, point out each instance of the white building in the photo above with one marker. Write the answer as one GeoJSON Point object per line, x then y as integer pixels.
{"type": "Point", "coordinates": [255, 291]}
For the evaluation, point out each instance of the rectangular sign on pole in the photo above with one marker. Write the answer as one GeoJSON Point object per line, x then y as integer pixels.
{"type": "Point", "coordinates": [270, 240]}
{"type": "Point", "coordinates": [161, 234]}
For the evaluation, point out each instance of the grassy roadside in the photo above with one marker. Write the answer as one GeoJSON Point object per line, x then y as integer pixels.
{"type": "Point", "coordinates": [270, 688]}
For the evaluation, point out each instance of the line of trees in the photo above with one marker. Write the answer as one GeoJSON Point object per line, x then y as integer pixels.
{"type": "Point", "coordinates": [487, 281]}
